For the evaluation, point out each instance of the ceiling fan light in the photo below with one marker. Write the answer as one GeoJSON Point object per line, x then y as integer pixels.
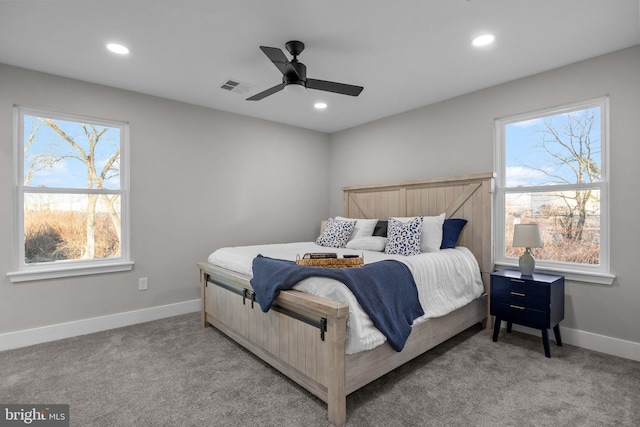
{"type": "Point", "coordinates": [483, 40]}
{"type": "Point", "coordinates": [295, 88]}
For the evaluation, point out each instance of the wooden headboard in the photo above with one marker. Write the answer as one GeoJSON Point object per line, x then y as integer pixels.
{"type": "Point", "coordinates": [469, 197]}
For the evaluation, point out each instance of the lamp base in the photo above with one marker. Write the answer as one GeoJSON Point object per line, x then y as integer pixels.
{"type": "Point", "coordinates": [527, 263]}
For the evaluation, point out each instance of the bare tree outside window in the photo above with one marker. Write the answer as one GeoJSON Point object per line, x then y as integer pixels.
{"type": "Point", "coordinates": [553, 178]}
{"type": "Point", "coordinates": [71, 190]}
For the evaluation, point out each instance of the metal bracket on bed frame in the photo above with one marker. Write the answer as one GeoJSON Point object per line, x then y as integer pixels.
{"type": "Point", "coordinates": [322, 324]}
{"type": "Point", "coordinates": [247, 294]}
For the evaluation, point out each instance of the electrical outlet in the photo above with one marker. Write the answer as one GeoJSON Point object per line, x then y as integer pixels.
{"type": "Point", "coordinates": [143, 284]}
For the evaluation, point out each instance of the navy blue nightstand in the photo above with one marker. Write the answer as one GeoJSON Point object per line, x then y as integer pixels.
{"type": "Point", "coordinates": [535, 301]}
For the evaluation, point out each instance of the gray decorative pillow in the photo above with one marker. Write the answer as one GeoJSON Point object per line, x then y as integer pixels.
{"type": "Point", "coordinates": [403, 238]}
{"type": "Point", "coordinates": [336, 233]}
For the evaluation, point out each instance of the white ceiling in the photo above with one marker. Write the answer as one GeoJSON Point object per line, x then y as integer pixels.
{"type": "Point", "coordinates": [406, 53]}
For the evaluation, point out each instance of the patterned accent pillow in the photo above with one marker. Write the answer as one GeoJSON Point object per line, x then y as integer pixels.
{"type": "Point", "coordinates": [403, 238]}
{"type": "Point", "coordinates": [336, 233]}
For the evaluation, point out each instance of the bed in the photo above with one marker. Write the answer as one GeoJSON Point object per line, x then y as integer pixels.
{"type": "Point", "coordinates": [304, 336]}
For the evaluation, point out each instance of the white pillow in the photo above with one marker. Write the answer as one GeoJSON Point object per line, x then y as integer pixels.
{"type": "Point", "coordinates": [431, 237]}
{"type": "Point", "coordinates": [364, 227]}
{"type": "Point", "coordinates": [369, 243]}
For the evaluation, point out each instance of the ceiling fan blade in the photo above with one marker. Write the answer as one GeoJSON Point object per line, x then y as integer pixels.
{"type": "Point", "coordinates": [340, 88]}
{"type": "Point", "coordinates": [276, 56]}
{"type": "Point", "coordinates": [264, 94]}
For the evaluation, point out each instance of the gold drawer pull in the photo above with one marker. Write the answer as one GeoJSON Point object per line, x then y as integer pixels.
{"type": "Point", "coordinates": [516, 306]}
{"type": "Point", "coordinates": [518, 294]}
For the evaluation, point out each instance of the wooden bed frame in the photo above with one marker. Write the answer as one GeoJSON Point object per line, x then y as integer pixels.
{"type": "Point", "coordinates": [304, 336]}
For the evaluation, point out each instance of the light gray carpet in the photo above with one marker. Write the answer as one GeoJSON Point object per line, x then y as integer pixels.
{"type": "Point", "coordinates": [173, 372]}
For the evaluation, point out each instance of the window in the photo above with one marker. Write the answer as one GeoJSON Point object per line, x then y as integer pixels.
{"type": "Point", "coordinates": [553, 171]}
{"type": "Point", "coordinates": [71, 195]}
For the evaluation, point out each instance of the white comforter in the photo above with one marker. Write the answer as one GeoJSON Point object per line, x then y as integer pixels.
{"type": "Point", "coordinates": [446, 280]}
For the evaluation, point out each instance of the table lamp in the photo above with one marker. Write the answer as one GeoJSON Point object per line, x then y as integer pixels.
{"type": "Point", "coordinates": [526, 236]}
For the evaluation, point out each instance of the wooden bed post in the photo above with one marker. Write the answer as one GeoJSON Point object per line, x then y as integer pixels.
{"type": "Point", "coordinates": [336, 391]}
{"type": "Point", "coordinates": [203, 284]}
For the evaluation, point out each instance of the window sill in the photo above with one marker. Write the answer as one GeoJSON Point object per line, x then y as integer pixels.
{"type": "Point", "coordinates": [44, 273]}
{"type": "Point", "coordinates": [570, 275]}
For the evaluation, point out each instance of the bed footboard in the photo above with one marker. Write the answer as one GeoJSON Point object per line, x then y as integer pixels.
{"type": "Point", "coordinates": [303, 336]}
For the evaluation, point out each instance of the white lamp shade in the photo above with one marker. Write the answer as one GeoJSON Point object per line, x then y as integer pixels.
{"type": "Point", "coordinates": [526, 236]}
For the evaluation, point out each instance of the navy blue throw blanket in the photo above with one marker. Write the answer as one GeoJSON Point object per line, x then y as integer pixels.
{"type": "Point", "coordinates": [385, 290]}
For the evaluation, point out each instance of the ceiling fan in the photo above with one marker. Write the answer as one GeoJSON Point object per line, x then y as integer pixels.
{"type": "Point", "coordinates": [295, 73]}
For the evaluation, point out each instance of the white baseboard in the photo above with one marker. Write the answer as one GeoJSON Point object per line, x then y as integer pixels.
{"type": "Point", "coordinates": [43, 334]}
{"type": "Point", "coordinates": [590, 341]}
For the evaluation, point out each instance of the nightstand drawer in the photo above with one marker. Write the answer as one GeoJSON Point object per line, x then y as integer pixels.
{"type": "Point", "coordinates": [521, 299]}
{"type": "Point", "coordinates": [519, 314]}
{"type": "Point", "coordinates": [521, 286]}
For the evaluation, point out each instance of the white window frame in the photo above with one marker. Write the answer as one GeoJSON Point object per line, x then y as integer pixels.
{"type": "Point", "coordinates": [599, 274]}
{"type": "Point", "coordinates": [24, 272]}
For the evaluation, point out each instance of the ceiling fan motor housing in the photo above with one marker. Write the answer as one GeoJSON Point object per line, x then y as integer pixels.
{"type": "Point", "coordinates": [295, 74]}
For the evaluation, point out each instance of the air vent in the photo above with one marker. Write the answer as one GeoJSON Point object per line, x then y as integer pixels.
{"type": "Point", "coordinates": [236, 86]}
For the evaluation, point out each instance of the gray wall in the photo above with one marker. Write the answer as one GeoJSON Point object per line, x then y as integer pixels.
{"type": "Point", "coordinates": [455, 137]}
{"type": "Point", "coordinates": [230, 175]}
{"type": "Point", "coordinates": [200, 179]}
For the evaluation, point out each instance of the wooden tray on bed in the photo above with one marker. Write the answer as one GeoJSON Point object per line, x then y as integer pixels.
{"type": "Point", "coordinates": [329, 262]}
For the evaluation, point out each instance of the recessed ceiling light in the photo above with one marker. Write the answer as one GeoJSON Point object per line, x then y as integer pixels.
{"type": "Point", "coordinates": [118, 48]}
{"type": "Point", "coordinates": [320, 105]}
{"type": "Point", "coordinates": [483, 40]}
